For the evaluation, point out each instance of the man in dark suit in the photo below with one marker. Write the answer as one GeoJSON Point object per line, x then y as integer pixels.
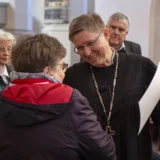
{"type": "Point", "coordinates": [118, 25]}
{"type": "Point", "coordinates": [132, 47]}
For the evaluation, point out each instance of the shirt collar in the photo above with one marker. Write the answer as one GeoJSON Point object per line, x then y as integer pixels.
{"type": "Point", "coordinates": [3, 71]}
{"type": "Point", "coordinates": [122, 47]}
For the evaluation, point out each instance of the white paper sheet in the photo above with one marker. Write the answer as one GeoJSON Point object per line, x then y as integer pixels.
{"type": "Point", "coordinates": [149, 99]}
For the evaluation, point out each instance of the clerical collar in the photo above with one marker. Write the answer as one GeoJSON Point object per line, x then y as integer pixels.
{"type": "Point", "coordinates": [122, 47]}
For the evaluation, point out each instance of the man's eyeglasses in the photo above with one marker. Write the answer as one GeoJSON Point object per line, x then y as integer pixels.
{"type": "Point", "coordinates": [80, 49]}
{"type": "Point", "coordinates": [64, 66]}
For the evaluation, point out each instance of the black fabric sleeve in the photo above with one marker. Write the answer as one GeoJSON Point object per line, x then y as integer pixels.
{"type": "Point", "coordinates": [139, 51]}
{"type": "Point", "coordinates": [149, 71]}
{"type": "Point", "coordinates": [94, 142]}
{"type": "Point", "coordinates": [68, 77]}
{"type": "Point", "coordinates": [136, 48]}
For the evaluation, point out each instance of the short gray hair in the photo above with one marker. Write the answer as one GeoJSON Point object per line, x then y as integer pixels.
{"type": "Point", "coordinates": [119, 17]}
{"type": "Point", "coordinates": [32, 53]}
{"type": "Point", "coordinates": [86, 22]}
{"type": "Point", "coordinates": [6, 36]}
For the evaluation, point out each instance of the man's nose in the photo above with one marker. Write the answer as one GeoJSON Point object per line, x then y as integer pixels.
{"type": "Point", "coordinates": [87, 51]}
{"type": "Point", "coordinates": [116, 31]}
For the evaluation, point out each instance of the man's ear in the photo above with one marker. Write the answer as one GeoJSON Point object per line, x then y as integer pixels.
{"type": "Point", "coordinates": [126, 32]}
{"type": "Point", "coordinates": [106, 33]}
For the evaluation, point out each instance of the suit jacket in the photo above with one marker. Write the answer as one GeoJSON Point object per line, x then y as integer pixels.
{"type": "Point", "coordinates": [131, 48]}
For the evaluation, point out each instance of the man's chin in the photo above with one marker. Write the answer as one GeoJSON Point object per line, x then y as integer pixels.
{"type": "Point", "coordinates": [114, 44]}
{"type": "Point", "coordinates": [93, 63]}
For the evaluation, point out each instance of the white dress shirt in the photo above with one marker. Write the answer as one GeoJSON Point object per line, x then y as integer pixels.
{"type": "Point", "coordinates": [4, 73]}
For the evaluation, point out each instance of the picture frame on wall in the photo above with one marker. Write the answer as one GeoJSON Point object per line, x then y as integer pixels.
{"type": "Point", "coordinates": [56, 11]}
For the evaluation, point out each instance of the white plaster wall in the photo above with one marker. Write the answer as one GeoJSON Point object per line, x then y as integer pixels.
{"type": "Point", "coordinates": [143, 14]}
{"type": "Point", "coordinates": [25, 15]}
{"type": "Point", "coordinates": [137, 11]}
{"type": "Point", "coordinates": [18, 15]}
{"type": "Point", "coordinates": [60, 31]}
{"type": "Point", "coordinates": [37, 10]}
{"type": "Point", "coordinates": [4, 1]}
{"type": "Point", "coordinates": [77, 7]}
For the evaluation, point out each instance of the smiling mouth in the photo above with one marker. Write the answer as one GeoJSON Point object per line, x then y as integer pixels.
{"type": "Point", "coordinates": [93, 57]}
{"type": "Point", "coordinates": [6, 59]}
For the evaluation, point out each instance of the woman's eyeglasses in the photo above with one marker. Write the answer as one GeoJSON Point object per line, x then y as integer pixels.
{"type": "Point", "coordinates": [80, 49]}
{"type": "Point", "coordinates": [64, 66]}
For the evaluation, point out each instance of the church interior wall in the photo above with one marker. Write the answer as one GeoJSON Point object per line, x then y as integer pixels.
{"type": "Point", "coordinates": [143, 15]}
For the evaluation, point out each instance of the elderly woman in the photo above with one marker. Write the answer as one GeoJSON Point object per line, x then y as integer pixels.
{"type": "Point", "coordinates": [113, 83]}
{"type": "Point", "coordinates": [43, 119]}
{"type": "Point", "coordinates": [6, 42]}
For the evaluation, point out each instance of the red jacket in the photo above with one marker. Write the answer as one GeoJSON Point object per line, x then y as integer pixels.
{"type": "Point", "coordinates": [42, 120]}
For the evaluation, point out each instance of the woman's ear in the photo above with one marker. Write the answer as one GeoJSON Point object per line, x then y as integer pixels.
{"type": "Point", "coordinates": [106, 33]}
{"type": "Point", "coordinates": [50, 71]}
{"type": "Point", "coordinates": [46, 70]}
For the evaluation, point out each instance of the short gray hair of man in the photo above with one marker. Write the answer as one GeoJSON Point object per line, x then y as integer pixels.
{"type": "Point", "coordinates": [119, 17]}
